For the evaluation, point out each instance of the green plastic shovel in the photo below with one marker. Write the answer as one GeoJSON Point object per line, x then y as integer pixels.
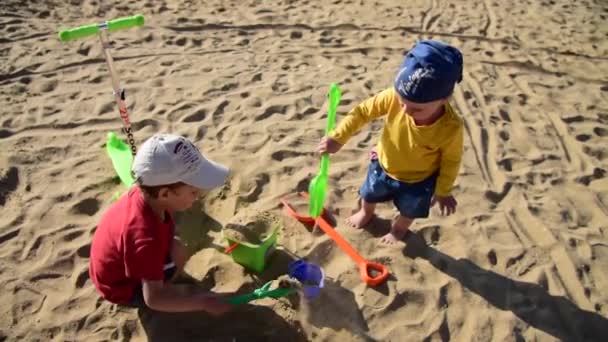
{"type": "Point", "coordinates": [122, 158]}
{"type": "Point", "coordinates": [318, 185]}
{"type": "Point", "coordinates": [260, 293]}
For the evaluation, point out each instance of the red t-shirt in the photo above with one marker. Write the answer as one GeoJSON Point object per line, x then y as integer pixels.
{"type": "Point", "coordinates": [131, 243]}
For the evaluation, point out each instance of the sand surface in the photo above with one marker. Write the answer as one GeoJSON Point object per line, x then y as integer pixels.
{"type": "Point", "coordinates": [252, 228]}
{"type": "Point", "coordinates": [524, 258]}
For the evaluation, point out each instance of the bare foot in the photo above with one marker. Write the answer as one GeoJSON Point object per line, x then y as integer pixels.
{"type": "Point", "coordinates": [360, 219]}
{"type": "Point", "coordinates": [393, 237]}
{"type": "Point", "coordinates": [398, 230]}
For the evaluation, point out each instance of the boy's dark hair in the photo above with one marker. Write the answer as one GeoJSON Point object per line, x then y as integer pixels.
{"type": "Point", "coordinates": [153, 191]}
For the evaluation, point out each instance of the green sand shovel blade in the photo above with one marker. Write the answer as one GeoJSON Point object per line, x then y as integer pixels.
{"type": "Point", "coordinates": [122, 158]}
{"type": "Point", "coordinates": [317, 189]}
{"type": "Point", "coordinates": [262, 292]}
{"type": "Point", "coordinates": [318, 186]}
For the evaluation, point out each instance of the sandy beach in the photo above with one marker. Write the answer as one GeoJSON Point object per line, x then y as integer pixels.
{"type": "Point", "coordinates": [524, 258]}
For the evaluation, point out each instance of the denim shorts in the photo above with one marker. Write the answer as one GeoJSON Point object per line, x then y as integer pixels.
{"type": "Point", "coordinates": [412, 199]}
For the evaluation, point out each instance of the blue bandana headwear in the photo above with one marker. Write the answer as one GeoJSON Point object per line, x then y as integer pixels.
{"type": "Point", "coordinates": [429, 72]}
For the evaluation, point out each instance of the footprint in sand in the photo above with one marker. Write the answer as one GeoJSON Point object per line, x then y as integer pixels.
{"type": "Point", "coordinates": [88, 206]}
{"type": "Point", "coordinates": [198, 116]}
{"type": "Point", "coordinates": [82, 278]}
{"type": "Point", "coordinates": [600, 131]}
{"type": "Point", "coordinates": [284, 154]}
{"type": "Point", "coordinates": [492, 257]}
{"type": "Point", "coordinates": [431, 233]}
{"type": "Point", "coordinates": [219, 112]}
{"type": "Point", "coordinates": [8, 183]}
{"type": "Point", "coordinates": [277, 109]}
{"type": "Point", "coordinates": [252, 194]}
{"type": "Point", "coordinates": [48, 86]}
{"type": "Point", "coordinates": [84, 251]}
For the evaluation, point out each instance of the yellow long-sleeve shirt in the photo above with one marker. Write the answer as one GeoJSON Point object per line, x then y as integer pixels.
{"type": "Point", "coordinates": [407, 152]}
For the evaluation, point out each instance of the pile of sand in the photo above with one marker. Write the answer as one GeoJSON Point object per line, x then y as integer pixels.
{"type": "Point", "coordinates": [252, 229]}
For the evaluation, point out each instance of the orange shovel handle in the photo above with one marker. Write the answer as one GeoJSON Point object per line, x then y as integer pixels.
{"type": "Point", "coordinates": [364, 265]}
{"type": "Point", "coordinates": [292, 212]}
{"type": "Point", "coordinates": [340, 241]}
{"type": "Point", "coordinates": [231, 248]}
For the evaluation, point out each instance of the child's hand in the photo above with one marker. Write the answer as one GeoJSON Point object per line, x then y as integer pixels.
{"type": "Point", "coordinates": [447, 204]}
{"type": "Point", "coordinates": [328, 145]}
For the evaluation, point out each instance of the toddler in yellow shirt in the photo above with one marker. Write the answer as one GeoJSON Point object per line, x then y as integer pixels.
{"type": "Point", "coordinates": [419, 153]}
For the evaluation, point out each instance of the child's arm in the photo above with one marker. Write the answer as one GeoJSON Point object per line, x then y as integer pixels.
{"type": "Point", "coordinates": [143, 261]}
{"type": "Point", "coordinates": [451, 156]}
{"type": "Point", "coordinates": [161, 296]}
{"type": "Point", "coordinates": [359, 116]}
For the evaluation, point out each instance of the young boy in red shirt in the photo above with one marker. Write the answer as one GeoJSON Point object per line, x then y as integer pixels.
{"type": "Point", "coordinates": [418, 156]}
{"type": "Point", "coordinates": [134, 251]}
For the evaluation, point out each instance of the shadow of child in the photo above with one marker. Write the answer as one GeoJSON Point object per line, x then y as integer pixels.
{"type": "Point", "coordinates": [555, 315]}
{"type": "Point", "coordinates": [335, 308]}
{"type": "Point", "coordinates": [245, 323]}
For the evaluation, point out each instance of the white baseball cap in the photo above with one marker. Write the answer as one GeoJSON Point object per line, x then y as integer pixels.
{"type": "Point", "coordinates": [166, 159]}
